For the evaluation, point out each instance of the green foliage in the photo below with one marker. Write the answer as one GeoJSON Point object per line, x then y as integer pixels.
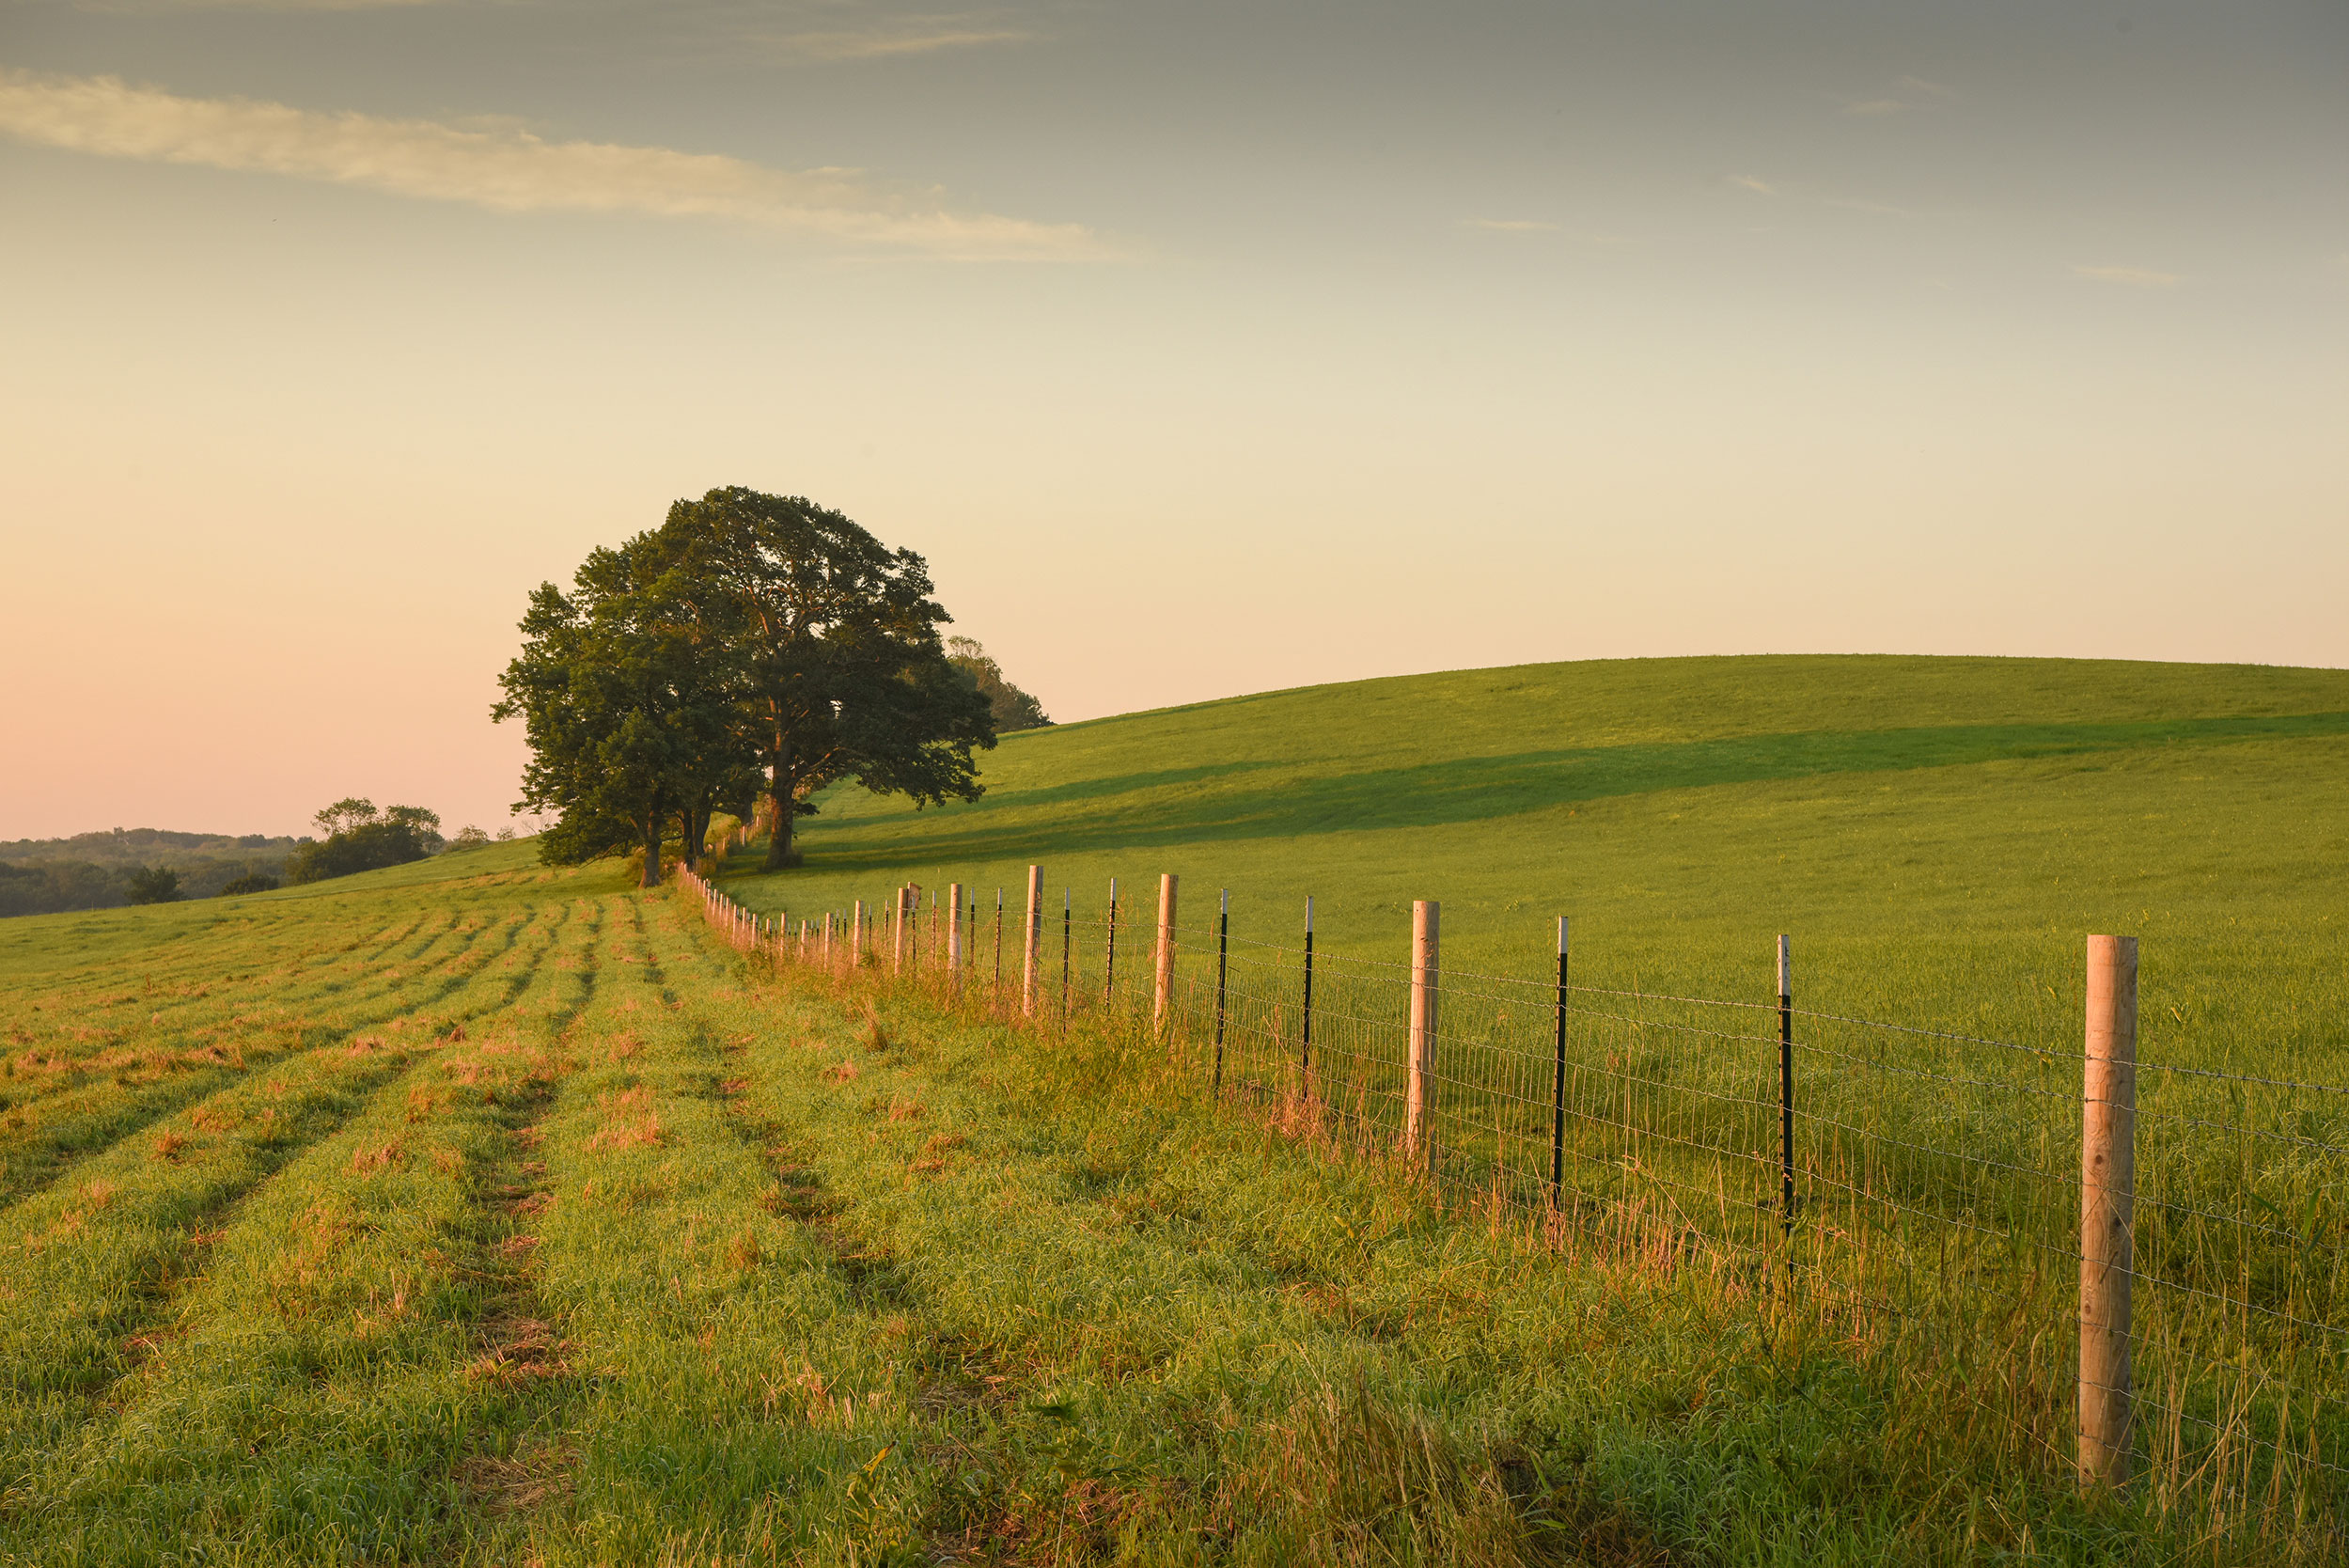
{"type": "Point", "coordinates": [40, 876]}
{"type": "Point", "coordinates": [747, 633]}
{"type": "Point", "coordinates": [834, 637]}
{"type": "Point", "coordinates": [1012, 708]}
{"type": "Point", "coordinates": [256, 883]}
{"type": "Point", "coordinates": [365, 841]}
{"type": "Point", "coordinates": [53, 885]}
{"type": "Point", "coordinates": [469, 837]}
{"type": "Point", "coordinates": [151, 885]}
{"type": "Point", "coordinates": [629, 689]}
{"type": "Point", "coordinates": [347, 813]}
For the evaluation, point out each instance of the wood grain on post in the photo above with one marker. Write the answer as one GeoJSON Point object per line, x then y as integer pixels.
{"type": "Point", "coordinates": [1426, 962]}
{"type": "Point", "coordinates": [954, 932]}
{"type": "Point", "coordinates": [2108, 1209]}
{"type": "Point", "coordinates": [1166, 950]}
{"type": "Point", "coordinates": [1034, 942]}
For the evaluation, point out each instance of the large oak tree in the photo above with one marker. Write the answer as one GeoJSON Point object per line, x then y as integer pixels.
{"type": "Point", "coordinates": [630, 690]}
{"type": "Point", "coordinates": [841, 671]}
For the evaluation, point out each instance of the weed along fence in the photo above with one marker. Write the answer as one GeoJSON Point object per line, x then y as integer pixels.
{"type": "Point", "coordinates": [2128, 1270]}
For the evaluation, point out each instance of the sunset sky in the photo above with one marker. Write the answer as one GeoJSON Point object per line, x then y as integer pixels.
{"type": "Point", "coordinates": [1201, 348]}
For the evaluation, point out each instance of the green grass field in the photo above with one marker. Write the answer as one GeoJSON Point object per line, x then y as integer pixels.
{"type": "Point", "coordinates": [477, 1213]}
{"type": "Point", "coordinates": [1938, 834]}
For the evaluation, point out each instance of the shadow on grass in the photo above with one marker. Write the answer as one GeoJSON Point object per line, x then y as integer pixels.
{"type": "Point", "coordinates": [1201, 803]}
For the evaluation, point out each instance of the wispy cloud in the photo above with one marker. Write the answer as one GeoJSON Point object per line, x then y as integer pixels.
{"type": "Point", "coordinates": [2133, 277]}
{"type": "Point", "coordinates": [509, 169]}
{"type": "Point", "coordinates": [915, 35]}
{"type": "Point", "coordinates": [1910, 92]}
{"type": "Point", "coordinates": [1512, 225]}
{"type": "Point", "coordinates": [1746, 182]}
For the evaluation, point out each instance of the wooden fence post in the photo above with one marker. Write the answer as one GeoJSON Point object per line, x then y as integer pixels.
{"type": "Point", "coordinates": [2108, 1209]}
{"type": "Point", "coordinates": [954, 934]}
{"type": "Point", "coordinates": [856, 936]}
{"type": "Point", "coordinates": [1034, 945]}
{"type": "Point", "coordinates": [1426, 955]}
{"type": "Point", "coordinates": [1166, 950]}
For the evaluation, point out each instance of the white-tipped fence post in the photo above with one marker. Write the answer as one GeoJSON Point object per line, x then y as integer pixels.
{"type": "Point", "coordinates": [857, 935]}
{"type": "Point", "coordinates": [954, 934]}
{"type": "Point", "coordinates": [1165, 967]}
{"type": "Point", "coordinates": [1033, 945]}
{"type": "Point", "coordinates": [1426, 962]}
{"type": "Point", "coordinates": [2108, 1209]}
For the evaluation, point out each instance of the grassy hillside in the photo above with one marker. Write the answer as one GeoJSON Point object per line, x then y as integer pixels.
{"type": "Point", "coordinates": [473, 1211]}
{"type": "Point", "coordinates": [1938, 835]}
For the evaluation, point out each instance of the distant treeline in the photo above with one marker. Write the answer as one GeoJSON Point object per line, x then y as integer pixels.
{"type": "Point", "coordinates": [147, 865]}
{"type": "Point", "coordinates": [99, 870]}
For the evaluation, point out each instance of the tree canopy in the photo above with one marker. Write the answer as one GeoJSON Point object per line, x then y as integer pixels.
{"type": "Point", "coordinates": [153, 885]}
{"type": "Point", "coordinates": [751, 646]}
{"type": "Point", "coordinates": [1012, 708]}
{"type": "Point", "coordinates": [361, 838]}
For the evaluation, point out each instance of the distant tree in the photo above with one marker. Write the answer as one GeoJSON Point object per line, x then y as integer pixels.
{"type": "Point", "coordinates": [153, 885]}
{"type": "Point", "coordinates": [1014, 708]}
{"type": "Point", "coordinates": [424, 825]}
{"type": "Point", "coordinates": [835, 655]}
{"type": "Point", "coordinates": [368, 841]}
{"type": "Point", "coordinates": [468, 838]}
{"type": "Point", "coordinates": [253, 882]}
{"type": "Point", "coordinates": [343, 815]}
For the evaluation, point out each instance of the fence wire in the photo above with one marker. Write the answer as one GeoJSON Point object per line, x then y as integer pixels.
{"type": "Point", "coordinates": [1935, 1175]}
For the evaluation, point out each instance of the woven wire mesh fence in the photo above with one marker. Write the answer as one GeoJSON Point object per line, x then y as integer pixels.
{"type": "Point", "coordinates": [1917, 1184]}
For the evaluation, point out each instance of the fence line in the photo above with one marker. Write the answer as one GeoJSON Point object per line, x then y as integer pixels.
{"type": "Point", "coordinates": [2214, 1344]}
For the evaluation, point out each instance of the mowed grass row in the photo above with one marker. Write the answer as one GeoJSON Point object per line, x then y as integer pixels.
{"type": "Point", "coordinates": [117, 1259]}
{"type": "Point", "coordinates": [85, 1067]}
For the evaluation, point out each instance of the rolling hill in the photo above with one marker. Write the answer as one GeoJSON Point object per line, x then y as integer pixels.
{"type": "Point", "coordinates": [1937, 834]}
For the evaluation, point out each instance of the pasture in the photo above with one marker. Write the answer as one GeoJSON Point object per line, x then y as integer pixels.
{"type": "Point", "coordinates": [474, 1211]}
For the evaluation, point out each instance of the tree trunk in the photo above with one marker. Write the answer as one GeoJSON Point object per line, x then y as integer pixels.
{"type": "Point", "coordinates": [697, 834]}
{"type": "Point", "coordinates": [652, 853]}
{"type": "Point", "coordinates": [785, 786]}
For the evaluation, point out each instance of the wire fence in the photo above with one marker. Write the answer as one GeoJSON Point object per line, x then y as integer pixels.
{"type": "Point", "coordinates": [1906, 1185]}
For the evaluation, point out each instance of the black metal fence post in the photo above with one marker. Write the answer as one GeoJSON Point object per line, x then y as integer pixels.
{"type": "Point", "coordinates": [1068, 904]}
{"type": "Point", "coordinates": [1109, 964]}
{"type": "Point", "coordinates": [1786, 1087]}
{"type": "Point", "coordinates": [1557, 1082]}
{"type": "Point", "coordinates": [1223, 953]}
{"type": "Point", "coordinates": [1304, 1053]}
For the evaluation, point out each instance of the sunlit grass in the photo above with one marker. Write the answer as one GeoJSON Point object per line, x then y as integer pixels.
{"type": "Point", "coordinates": [476, 1213]}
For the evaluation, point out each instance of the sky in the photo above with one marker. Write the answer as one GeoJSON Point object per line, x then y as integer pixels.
{"type": "Point", "coordinates": [1201, 348]}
